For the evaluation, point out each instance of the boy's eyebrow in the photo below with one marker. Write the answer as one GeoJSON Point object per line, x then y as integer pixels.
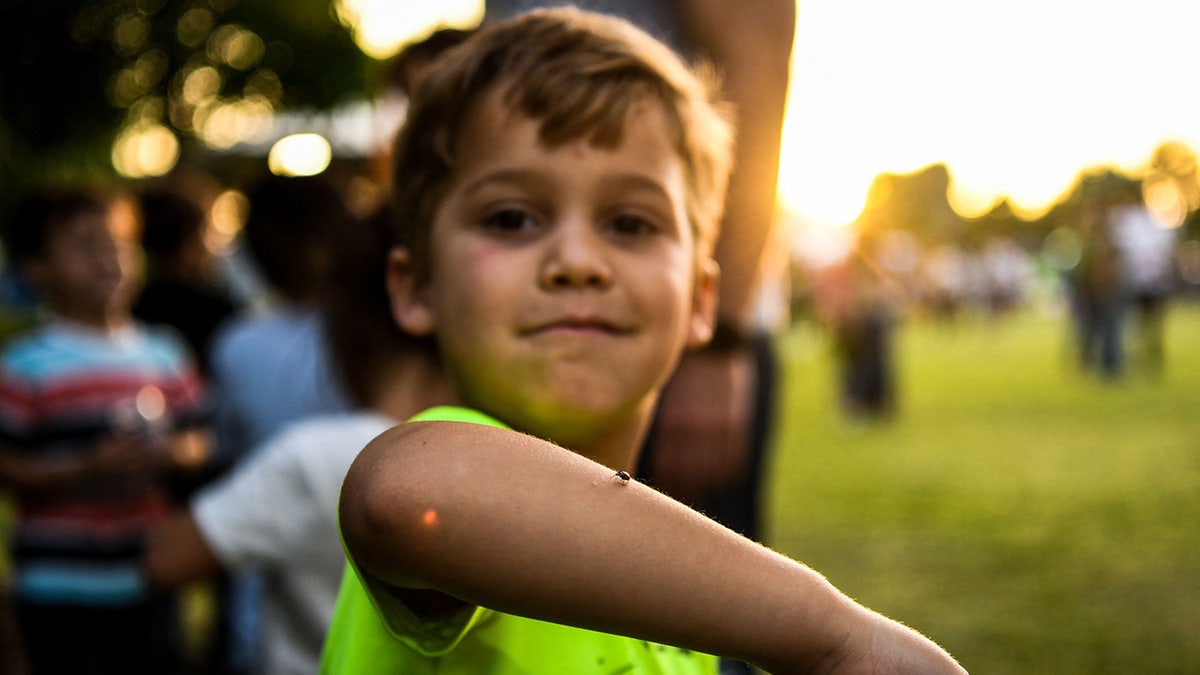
{"type": "Point", "coordinates": [503, 176]}
{"type": "Point", "coordinates": [627, 181]}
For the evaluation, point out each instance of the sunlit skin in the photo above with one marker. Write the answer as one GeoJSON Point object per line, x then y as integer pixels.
{"type": "Point", "coordinates": [564, 280]}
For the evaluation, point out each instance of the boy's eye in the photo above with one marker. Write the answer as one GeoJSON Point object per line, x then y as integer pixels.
{"type": "Point", "coordinates": [630, 225]}
{"type": "Point", "coordinates": [509, 221]}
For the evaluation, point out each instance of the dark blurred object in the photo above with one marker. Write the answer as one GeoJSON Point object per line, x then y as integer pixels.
{"type": "Point", "coordinates": [12, 654]}
{"type": "Point", "coordinates": [293, 227]}
{"type": "Point", "coordinates": [180, 290]}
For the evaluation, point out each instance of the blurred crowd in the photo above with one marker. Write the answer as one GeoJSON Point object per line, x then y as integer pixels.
{"type": "Point", "coordinates": [145, 353]}
{"type": "Point", "coordinates": [1112, 274]}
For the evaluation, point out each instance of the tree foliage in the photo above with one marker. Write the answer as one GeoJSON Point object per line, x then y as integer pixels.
{"type": "Point", "coordinates": [75, 73]}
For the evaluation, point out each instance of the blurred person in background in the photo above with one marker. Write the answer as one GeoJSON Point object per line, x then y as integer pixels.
{"type": "Point", "coordinates": [277, 511]}
{"type": "Point", "coordinates": [272, 367]}
{"type": "Point", "coordinates": [1096, 288]}
{"type": "Point", "coordinates": [96, 411]}
{"type": "Point", "coordinates": [1007, 272]}
{"type": "Point", "coordinates": [181, 288]}
{"type": "Point", "coordinates": [862, 320]}
{"type": "Point", "coordinates": [1146, 247]}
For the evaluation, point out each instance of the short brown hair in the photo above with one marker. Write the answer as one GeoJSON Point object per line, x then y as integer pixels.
{"type": "Point", "coordinates": [578, 73]}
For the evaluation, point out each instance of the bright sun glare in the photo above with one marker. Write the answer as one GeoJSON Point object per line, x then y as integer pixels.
{"type": "Point", "coordinates": [383, 25]}
{"type": "Point", "coordinates": [1016, 97]}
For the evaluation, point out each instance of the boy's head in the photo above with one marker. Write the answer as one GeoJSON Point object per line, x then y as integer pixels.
{"type": "Point", "coordinates": [70, 247]}
{"type": "Point", "coordinates": [580, 75]}
{"type": "Point", "coordinates": [559, 183]}
{"type": "Point", "coordinates": [173, 231]}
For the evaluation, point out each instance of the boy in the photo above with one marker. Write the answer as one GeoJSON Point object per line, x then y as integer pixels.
{"type": "Point", "coordinates": [94, 413]}
{"type": "Point", "coordinates": [559, 180]}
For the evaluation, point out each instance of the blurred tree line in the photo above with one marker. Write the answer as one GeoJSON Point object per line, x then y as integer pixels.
{"type": "Point", "coordinates": [76, 73]}
{"type": "Point", "coordinates": [918, 203]}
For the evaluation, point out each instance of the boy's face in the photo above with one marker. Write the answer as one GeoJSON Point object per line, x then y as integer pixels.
{"type": "Point", "coordinates": [564, 282]}
{"type": "Point", "coordinates": [86, 271]}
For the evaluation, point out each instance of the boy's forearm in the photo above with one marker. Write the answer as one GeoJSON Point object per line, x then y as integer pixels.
{"type": "Point", "coordinates": [28, 474]}
{"type": "Point", "coordinates": [177, 554]}
{"type": "Point", "coordinates": [502, 520]}
{"type": "Point", "coordinates": [108, 456]}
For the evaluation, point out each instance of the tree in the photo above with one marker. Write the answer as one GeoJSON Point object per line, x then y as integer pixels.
{"type": "Point", "coordinates": [75, 73]}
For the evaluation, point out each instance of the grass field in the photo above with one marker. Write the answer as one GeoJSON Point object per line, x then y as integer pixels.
{"type": "Point", "coordinates": [1028, 518]}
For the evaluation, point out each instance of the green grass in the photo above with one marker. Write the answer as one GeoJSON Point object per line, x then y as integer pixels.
{"type": "Point", "coordinates": [1028, 518]}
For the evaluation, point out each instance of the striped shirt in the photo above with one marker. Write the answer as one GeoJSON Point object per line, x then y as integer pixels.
{"type": "Point", "coordinates": [63, 387]}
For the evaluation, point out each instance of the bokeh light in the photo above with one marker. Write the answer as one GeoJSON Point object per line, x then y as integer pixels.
{"type": "Point", "coordinates": [222, 125]}
{"type": "Point", "coordinates": [145, 149]}
{"type": "Point", "coordinates": [226, 217]}
{"type": "Point", "coordinates": [381, 27]}
{"type": "Point", "coordinates": [305, 154]}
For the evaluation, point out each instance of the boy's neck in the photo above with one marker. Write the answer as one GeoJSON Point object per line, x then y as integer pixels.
{"type": "Point", "coordinates": [105, 322]}
{"type": "Point", "coordinates": [411, 385]}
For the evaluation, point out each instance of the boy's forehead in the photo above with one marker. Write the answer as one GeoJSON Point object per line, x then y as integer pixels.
{"type": "Point", "coordinates": [81, 223]}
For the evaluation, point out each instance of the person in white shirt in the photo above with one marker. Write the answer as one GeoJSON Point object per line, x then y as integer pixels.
{"type": "Point", "coordinates": [277, 512]}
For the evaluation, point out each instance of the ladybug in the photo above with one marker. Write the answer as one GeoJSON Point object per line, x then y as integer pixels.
{"type": "Point", "coordinates": [624, 476]}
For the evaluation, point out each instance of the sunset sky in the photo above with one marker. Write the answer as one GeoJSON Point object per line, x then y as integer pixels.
{"type": "Point", "coordinates": [1015, 97]}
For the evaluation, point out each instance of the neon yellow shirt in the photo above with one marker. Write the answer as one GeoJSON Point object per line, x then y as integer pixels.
{"type": "Point", "coordinates": [373, 632]}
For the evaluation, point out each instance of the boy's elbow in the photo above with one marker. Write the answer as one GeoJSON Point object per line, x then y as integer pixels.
{"type": "Point", "coordinates": [384, 515]}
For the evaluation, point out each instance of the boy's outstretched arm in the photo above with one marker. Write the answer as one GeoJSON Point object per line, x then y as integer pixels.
{"type": "Point", "coordinates": [501, 519]}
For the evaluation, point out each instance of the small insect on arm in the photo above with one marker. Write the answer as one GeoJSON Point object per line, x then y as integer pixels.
{"type": "Point", "coordinates": [623, 475]}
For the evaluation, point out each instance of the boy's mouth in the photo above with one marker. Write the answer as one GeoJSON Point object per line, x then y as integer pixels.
{"type": "Point", "coordinates": [575, 325]}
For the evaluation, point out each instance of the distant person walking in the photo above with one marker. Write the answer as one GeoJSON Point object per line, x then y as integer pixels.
{"type": "Point", "coordinates": [1147, 253]}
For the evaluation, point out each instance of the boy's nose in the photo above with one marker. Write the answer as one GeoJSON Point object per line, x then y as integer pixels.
{"type": "Point", "coordinates": [575, 259]}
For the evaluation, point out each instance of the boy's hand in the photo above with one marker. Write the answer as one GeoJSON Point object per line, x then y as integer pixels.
{"type": "Point", "coordinates": [885, 647]}
{"type": "Point", "coordinates": [702, 434]}
{"type": "Point", "coordinates": [126, 455]}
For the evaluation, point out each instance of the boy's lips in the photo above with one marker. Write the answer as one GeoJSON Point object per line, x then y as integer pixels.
{"type": "Point", "coordinates": [575, 324]}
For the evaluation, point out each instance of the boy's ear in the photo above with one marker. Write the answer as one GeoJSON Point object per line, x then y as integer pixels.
{"type": "Point", "coordinates": [410, 307]}
{"type": "Point", "coordinates": [704, 304]}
